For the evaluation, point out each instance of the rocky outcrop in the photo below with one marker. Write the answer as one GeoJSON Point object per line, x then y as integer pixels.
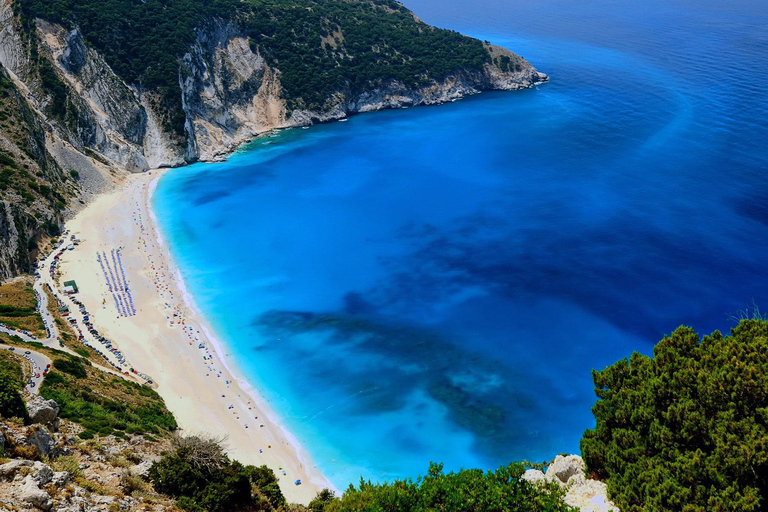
{"type": "Point", "coordinates": [229, 92]}
{"type": "Point", "coordinates": [582, 493]}
{"type": "Point", "coordinates": [83, 476]}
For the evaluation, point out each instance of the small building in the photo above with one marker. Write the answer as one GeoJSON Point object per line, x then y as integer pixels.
{"type": "Point", "coordinates": [70, 287]}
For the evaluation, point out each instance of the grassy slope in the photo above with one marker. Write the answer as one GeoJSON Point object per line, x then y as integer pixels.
{"type": "Point", "coordinates": [18, 306]}
{"type": "Point", "coordinates": [102, 403]}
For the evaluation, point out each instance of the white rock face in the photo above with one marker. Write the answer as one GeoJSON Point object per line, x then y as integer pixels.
{"type": "Point", "coordinates": [230, 94]}
{"type": "Point", "coordinates": [568, 473]}
{"type": "Point", "coordinates": [42, 475]}
{"type": "Point", "coordinates": [563, 468]}
{"type": "Point", "coordinates": [590, 496]}
{"type": "Point", "coordinates": [9, 469]}
{"type": "Point", "coordinates": [141, 469]}
{"type": "Point", "coordinates": [60, 478]}
{"type": "Point", "coordinates": [534, 476]}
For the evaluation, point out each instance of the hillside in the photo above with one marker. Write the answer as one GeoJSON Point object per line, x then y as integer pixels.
{"type": "Point", "coordinates": [91, 90]}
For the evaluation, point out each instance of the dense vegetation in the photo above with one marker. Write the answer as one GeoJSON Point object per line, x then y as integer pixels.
{"type": "Point", "coordinates": [104, 404]}
{"type": "Point", "coordinates": [320, 46]}
{"type": "Point", "coordinates": [687, 429]}
{"type": "Point", "coordinates": [470, 490]}
{"type": "Point", "coordinates": [201, 477]}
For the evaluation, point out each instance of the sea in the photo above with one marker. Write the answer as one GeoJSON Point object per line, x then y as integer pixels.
{"type": "Point", "coordinates": [438, 283]}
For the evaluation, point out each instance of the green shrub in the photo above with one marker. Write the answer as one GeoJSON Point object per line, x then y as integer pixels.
{"type": "Point", "coordinates": [265, 480]}
{"type": "Point", "coordinates": [686, 429]}
{"type": "Point", "coordinates": [11, 404]}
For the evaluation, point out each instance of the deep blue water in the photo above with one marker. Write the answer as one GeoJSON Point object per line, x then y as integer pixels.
{"type": "Point", "coordinates": [438, 283]}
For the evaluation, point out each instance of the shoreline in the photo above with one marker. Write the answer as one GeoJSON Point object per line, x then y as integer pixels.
{"type": "Point", "coordinates": [169, 334]}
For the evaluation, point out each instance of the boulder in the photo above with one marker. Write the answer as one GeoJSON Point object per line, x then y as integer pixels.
{"type": "Point", "coordinates": [41, 439]}
{"type": "Point", "coordinates": [2, 443]}
{"type": "Point", "coordinates": [141, 469]}
{"type": "Point", "coordinates": [42, 411]}
{"type": "Point", "coordinates": [42, 475]}
{"type": "Point", "coordinates": [563, 468]}
{"type": "Point", "coordinates": [534, 476]}
{"type": "Point", "coordinates": [577, 480]}
{"type": "Point", "coordinates": [32, 494]}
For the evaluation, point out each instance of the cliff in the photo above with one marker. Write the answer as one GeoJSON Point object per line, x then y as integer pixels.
{"type": "Point", "coordinates": [87, 111]}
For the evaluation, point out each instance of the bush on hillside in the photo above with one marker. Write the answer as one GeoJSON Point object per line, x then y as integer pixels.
{"type": "Point", "coordinates": [202, 478]}
{"type": "Point", "coordinates": [469, 490]}
{"type": "Point", "coordinates": [73, 367]}
{"type": "Point", "coordinates": [686, 429]}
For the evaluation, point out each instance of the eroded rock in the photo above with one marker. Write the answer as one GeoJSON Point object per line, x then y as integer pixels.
{"type": "Point", "coordinates": [563, 468]}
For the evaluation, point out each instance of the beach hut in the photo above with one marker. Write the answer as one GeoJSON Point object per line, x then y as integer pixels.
{"type": "Point", "coordinates": [70, 287]}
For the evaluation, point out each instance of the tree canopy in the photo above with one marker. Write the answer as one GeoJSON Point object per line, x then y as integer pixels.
{"type": "Point", "coordinates": [469, 490]}
{"type": "Point", "coordinates": [686, 429]}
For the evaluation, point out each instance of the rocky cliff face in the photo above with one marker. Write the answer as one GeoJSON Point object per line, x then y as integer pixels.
{"type": "Point", "coordinates": [229, 95]}
{"type": "Point", "coordinates": [81, 116]}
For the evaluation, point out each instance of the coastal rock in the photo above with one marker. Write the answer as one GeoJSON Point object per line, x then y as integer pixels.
{"type": "Point", "coordinates": [141, 469]}
{"type": "Point", "coordinates": [590, 496]}
{"type": "Point", "coordinates": [40, 410]}
{"type": "Point", "coordinates": [564, 467]}
{"type": "Point", "coordinates": [42, 475]}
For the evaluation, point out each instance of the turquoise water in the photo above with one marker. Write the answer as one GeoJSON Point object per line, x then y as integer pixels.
{"type": "Point", "coordinates": [438, 283]}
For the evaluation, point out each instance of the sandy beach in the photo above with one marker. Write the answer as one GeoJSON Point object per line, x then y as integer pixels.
{"type": "Point", "coordinates": [170, 341]}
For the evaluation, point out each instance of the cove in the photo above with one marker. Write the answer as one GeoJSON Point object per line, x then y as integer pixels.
{"type": "Point", "coordinates": [436, 284]}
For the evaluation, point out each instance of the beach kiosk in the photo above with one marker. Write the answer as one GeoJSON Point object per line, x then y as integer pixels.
{"type": "Point", "coordinates": [70, 287]}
